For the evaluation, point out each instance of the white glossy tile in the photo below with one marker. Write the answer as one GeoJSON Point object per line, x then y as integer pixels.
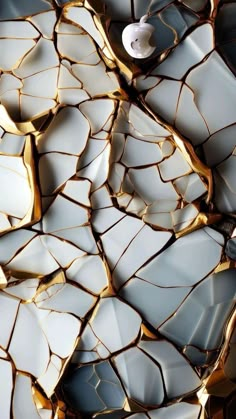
{"type": "Point", "coordinates": [23, 403]}
{"type": "Point", "coordinates": [196, 249]}
{"type": "Point", "coordinates": [45, 23]}
{"type": "Point", "coordinates": [89, 272]}
{"type": "Point", "coordinates": [116, 325]}
{"type": "Point", "coordinates": [83, 18]}
{"type": "Point", "coordinates": [135, 367]}
{"type": "Point", "coordinates": [42, 57]}
{"type": "Point", "coordinates": [31, 358]}
{"type": "Point", "coordinates": [154, 303]}
{"type": "Point", "coordinates": [66, 124]}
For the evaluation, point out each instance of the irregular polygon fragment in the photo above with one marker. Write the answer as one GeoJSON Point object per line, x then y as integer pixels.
{"type": "Point", "coordinates": [210, 304]}
{"type": "Point", "coordinates": [155, 304]}
{"type": "Point", "coordinates": [170, 269]}
{"type": "Point", "coordinates": [188, 53]}
{"type": "Point", "coordinates": [42, 57]}
{"type": "Point", "coordinates": [34, 258]}
{"type": "Point", "coordinates": [67, 133]}
{"type": "Point", "coordinates": [69, 299]}
{"type": "Point", "coordinates": [45, 22]}
{"type": "Point", "coordinates": [28, 328]}
{"type": "Point", "coordinates": [23, 402]}
{"type": "Point", "coordinates": [14, 50]}
{"type": "Point", "coordinates": [83, 18]}
{"type": "Point", "coordinates": [210, 81]}
{"type": "Point", "coordinates": [15, 189]}
{"type": "Point", "coordinates": [173, 365]}
{"type": "Point", "coordinates": [137, 370]}
{"type": "Point", "coordinates": [89, 272]}
{"type": "Point", "coordinates": [122, 321]}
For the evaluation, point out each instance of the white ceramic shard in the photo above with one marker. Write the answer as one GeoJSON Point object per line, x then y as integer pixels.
{"type": "Point", "coordinates": [175, 166]}
{"type": "Point", "coordinates": [188, 53]}
{"type": "Point", "coordinates": [13, 50]}
{"type": "Point", "coordinates": [183, 217]}
{"type": "Point", "coordinates": [155, 304]}
{"type": "Point", "coordinates": [69, 123]}
{"type": "Point", "coordinates": [12, 144]}
{"type": "Point", "coordinates": [116, 325]}
{"type": "Point", "coordinates": [25, 290]}
{"type": "Point", "coordinates": [135, 367]}
{"type": "Point", "coordinates": [145, 125]}
{"type": "Point", "coordinates": [116, 177]}
{"type": "Point", "coordinates": [210, 304]}
{"type": "Point", "coordinates": [14, 187]}
{"type": "Point", "coordinates": [164, 97]}
{"type": "Point", "coordinates": [220, 145]}
{"type": "Point", "coordinates": [108, 81]}
{"type": "Point", "coordinates": [173, 366]}
{"type": "Point", "coordinates": [97, 170]}
{"type": "Point", "coordinates": [97, 112]}
{"type": "Point", "coordinates": [79, 191]}
{"type": "Point", "coordinates": [187, 111]}
{"type": "Point", "coordinates": [103, 219]}
{"type": "Point", "coordinates": [85, 53]}
{"type": "Point", "coordinates": [61, 330]}
{"type": "Point", "coordinates": [140, 153]}
{"type": "Point", "coordinates": [8, 309]}
{"type": "Point", "coordinates": [9, 82]}
{"type": "Point", "coordinates": [31, 358]}
{"type": "Point", "coordinates": [89, 272]}
{"type": "Point", "coordinates": [58, 168]}
{"type": "Point", "coordinates": [42, 57]}
{"type": "Point", "coordinates": [101, 198]}
{"type": "Point", "coordinates": [144, 82]}
{"type": "Point", "coordinates": [11, 101]}
{"type": "Point", "coordinates": [18, 29]}
{"type": "Point", "coordinates": [83, 18]}
{"type": "Point", "coordinates": [170, 268]}
{"type": "Point", "coordinates": [116, 240]}
{"type": "Point", "coordinates": [157, 188]}
{"type": "Point", "coordinates": [32, 107]}
{"type": "Point", "coordinates": [138, 253]}
{"type": "Point", "coordinates": [34, 258]}
{"type": "Point", "coordinates": [10, 243]}
{"type": "Point", "coordinates": [215, 81]}
{"type": "Point", "coordinates": [23, 403]}
{"type": "Point", "coordinates": [67, 79]}
{"type": "Point", "coordinates": [69, 299]}
{"type": "Point", "coordinates": [63, 214]}
{"type": "Point", "coordinates": [82, 237]}
{"type": "Point", "coordinates": [93, 149]}
{"type": "Point", "coordinates": [72, 96]}
{"type": "Point", "coordinates": [45, 22]}
{"type": "Point", "coordinates": [49, 380]}
{"type": "Point", "coordinates": [190, 187]}
{"type": "Point", "coordinates": [42, 84]}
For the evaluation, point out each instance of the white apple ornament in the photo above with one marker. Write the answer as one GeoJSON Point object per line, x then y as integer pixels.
{"type": "Point", "coordinates": [136, 38]}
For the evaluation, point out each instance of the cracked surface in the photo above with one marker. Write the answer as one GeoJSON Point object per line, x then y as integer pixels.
{"type": "Point", "coordinates": [117, 203]}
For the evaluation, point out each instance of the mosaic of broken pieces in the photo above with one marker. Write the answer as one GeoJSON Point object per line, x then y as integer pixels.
{"type": "Point", "coordinates": [114, 278]}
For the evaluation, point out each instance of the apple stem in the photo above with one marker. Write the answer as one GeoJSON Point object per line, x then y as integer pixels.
{"type": "Point", "coordinates": [143, 19]}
